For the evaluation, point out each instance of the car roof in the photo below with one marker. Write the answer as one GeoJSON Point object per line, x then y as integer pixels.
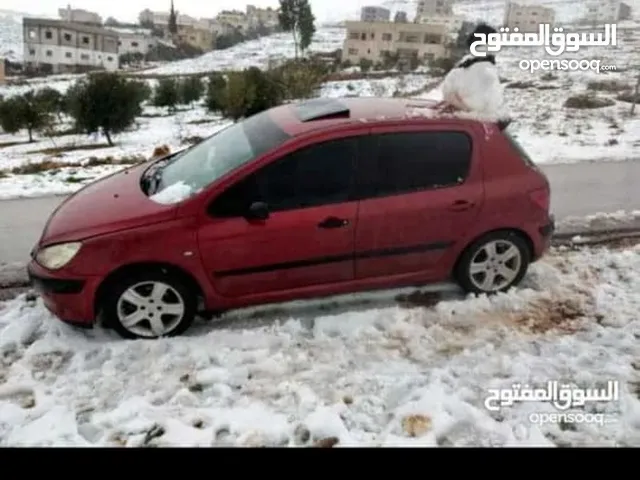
{"type": "Point", "coordinates": [304, 116]}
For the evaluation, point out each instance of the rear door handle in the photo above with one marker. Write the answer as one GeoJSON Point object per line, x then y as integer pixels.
{"type": "Point", "coordinates": [461, 205]}
{"type": "Point", "coordinates": [333, 222]}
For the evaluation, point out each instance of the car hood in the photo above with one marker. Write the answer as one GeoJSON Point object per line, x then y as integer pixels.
{"type": "Point", "coordinates": [111, 204]}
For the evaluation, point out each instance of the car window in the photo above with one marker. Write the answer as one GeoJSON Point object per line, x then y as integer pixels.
{"type": "Point", "coordinates": [318, 175]}
{"type": "Point", "coordinates": [220, 154]}
{"type": "Point", "coordinates": [412, 161]}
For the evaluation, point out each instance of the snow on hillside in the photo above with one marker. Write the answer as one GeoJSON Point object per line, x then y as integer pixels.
{"type": "Point", "coordinates": [365, 371]}
{"type": "Point", "coordinates": [253, 53]}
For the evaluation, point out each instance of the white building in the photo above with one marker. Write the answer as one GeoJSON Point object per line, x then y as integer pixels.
{"type": "Point", "coordinates": [440, 8]}
{"type": "Point", "coordinates": [78, 15]}
{"type": "Point", "coordinates": [607, 11]}
{"type": "Point", "coordinates": [527, 18]}
{"type": "Point", "coordinates": [453, 23]}
{"type": "Point", "coordinates": [68, 47]}
{"type": "Point", "coordinates": [375, 14]}
{"type": "Point", "coordinates": [161, 19]}
{"type": "Point", "coordinates": [134, 40]}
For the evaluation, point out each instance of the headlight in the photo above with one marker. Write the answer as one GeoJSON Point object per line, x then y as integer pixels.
{"type": "Point", "coordinates": [57, 256]}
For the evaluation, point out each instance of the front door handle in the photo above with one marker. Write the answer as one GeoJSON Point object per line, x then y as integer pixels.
{"type": "Point", "coordinates": [461, 205]}
{"type": "Point", "coordinates": [333, 222]}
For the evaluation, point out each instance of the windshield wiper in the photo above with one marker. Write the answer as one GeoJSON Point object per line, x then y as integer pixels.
{"type": "Point", "coordinates": [153, 176]}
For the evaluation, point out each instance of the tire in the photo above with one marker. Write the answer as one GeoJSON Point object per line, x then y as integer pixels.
{"type": "Point", "coordinates": [134, 296]}
{"type": "Point", "coordinates": [506, 272]}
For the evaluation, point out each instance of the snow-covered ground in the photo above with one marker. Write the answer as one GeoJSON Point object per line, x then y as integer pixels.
{"type": "Point", "coordinates": [376, 373]}
{"type": "Point", "coordinates": [256, 53]}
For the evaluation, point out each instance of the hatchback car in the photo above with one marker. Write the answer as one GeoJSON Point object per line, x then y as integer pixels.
{"type": "Point", "coordinates": [310, 199]}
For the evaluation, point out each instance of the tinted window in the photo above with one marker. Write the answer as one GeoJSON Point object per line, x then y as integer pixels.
{"type": "Point", "coordinates": [318, 175]}
{"type": "Point", "coordinates": [409, 162]}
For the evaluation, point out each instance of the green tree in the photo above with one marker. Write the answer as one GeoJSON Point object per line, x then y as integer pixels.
{"type": "Point", "coordinates": [216, 92]}
{"type": "Point", "coordinates": [104, 102]}
{"type": "Point", "coordinates": [296, 17]}
{"type": "Point", "coordinates": [191, 90]}
{"type": "Point", "coordinates": [166, 94]}
{"type": "Point", "coordinates": [25, 111]}
{"type": "Point", "coordinates": [52, 101]}
{"type": "Point", "coordinates": [173, 20]}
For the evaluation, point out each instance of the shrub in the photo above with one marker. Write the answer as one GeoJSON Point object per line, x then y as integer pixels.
{"type": "Point", "coordinates": [249, 92]}
{"type": "Point", "coordinates": [166, 93]}
{"type": "Point", "coordinates": [215, 92]}
{"type": "Point", "coordinates": [191, 90]}
{"type": "Point", "coordinates": [299, 79]}
{"type": "Point", "coordinates": [607, 86]}
{"type": "Point", "coordinates": [588, 102]}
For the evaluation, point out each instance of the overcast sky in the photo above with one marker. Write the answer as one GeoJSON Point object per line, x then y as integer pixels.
{"type": "Point", "coordinates": [127, 10]}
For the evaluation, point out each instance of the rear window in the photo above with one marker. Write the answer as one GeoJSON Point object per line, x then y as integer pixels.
{"type": "Point", "coordinates": [511, 138]}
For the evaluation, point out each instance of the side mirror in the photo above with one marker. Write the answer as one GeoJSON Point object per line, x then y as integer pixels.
{"type": "Point", "coordinates": [258, 211]}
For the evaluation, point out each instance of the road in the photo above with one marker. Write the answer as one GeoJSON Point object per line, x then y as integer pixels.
{"type": "Point", "coordinates": [577, 190]}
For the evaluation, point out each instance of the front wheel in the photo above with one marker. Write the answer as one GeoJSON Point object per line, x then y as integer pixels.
{"type": "Point", "coordinates": [494, 263]}
{"type": "Point", "coordinates": [150, 305]}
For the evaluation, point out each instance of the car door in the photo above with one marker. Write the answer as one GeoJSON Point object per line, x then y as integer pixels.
{"type": "Point", "coordinates": [308, 237]}
{"type": "Point", "coordinates": [420, 189]}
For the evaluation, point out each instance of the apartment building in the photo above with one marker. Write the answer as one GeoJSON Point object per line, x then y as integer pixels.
{"type": "Point", "coordinates": [375, 14]}
{"type": "Point", "coordinates": [401, 17]}
{"type": "Point", "coordinates": [527, 18]}
{"type": "Point", "coordinates": [375, 40]}
{"type": "Point", "coordinates": [262, 16]}
{"type": "Point", "coordinates": [78, 15]}
{"type": "Point", "coordinates": [607, 11]}
{"type": "Point", "coordinates": [68, 47]}
{"type": "Point", "coordinates": [453, 23]}
{"type": "Point", "coordinates": [234, 18]}
{"type": "Point", "coordinates": [441, 8]}
{"type": "Point", "coordinates": [161, 19]}
{"type": "Point", "coordinates": [196, 36]}
{"type": "Point", "coordinates": [134, 40]}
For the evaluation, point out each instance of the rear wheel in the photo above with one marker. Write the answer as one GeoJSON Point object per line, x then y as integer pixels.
{"type": "Point", "coordinates": [493, 263]}
{"type": "Point", "coordinates": [150, 305]}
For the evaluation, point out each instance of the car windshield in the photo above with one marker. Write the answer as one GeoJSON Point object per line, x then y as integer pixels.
{"type": "Point", "coordinates": [200, 166]}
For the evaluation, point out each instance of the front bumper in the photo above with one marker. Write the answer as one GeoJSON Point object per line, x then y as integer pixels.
{"type": "Point", "coordinates": [69, 298]}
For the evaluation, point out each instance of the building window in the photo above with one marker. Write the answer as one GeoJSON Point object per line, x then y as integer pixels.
{"type": "Point", "coordinates": [85, 40]}
{"type": "Point", "coordinates": [67, 37]}
{"type": "Point", "coordinates": [353, 51]}
{"type": "Point", "coordinates": [373, 35]}
{"type": "Point", "coordinates": [67, 55]}
{"type": "Point", "coordinates": [49, 53]}
{"type": "Point", "coordinates": [33, 34]}
{"type": "Point", "coordinates": [84, 56]}
{"type": "Point", "coordinates": [432, 39]}
{"type": "Point", "coordinates": [387, 37]}
{"type": "Point", "coordinates": [48, 35]}
{"type": "Point", "coordinates": [134, 44]}
{"type": "Point", "coordinates": [109, 58]}
{"type": "Point", "coordinates": [32, 52]}
{"type": "Point", "coordinates": [534, 14]}
{"type": "Point", "coordinates": [119, 43]}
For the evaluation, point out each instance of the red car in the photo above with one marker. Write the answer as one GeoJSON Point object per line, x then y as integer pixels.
{"type": "Point", "coordinates": [311, 199]}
